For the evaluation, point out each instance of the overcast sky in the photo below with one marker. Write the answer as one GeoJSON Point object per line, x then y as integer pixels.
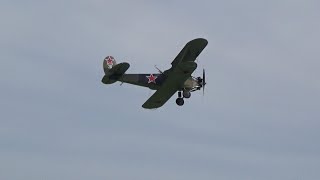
{"type": "Point", "coordinates": [259, 118]}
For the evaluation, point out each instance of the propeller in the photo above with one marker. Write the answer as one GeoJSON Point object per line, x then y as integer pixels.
{"type": "Point", "coordinates": [203, 80]}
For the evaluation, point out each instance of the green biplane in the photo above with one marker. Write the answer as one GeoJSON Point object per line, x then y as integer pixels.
{"type": "Point", "coordinates": [176, 79]}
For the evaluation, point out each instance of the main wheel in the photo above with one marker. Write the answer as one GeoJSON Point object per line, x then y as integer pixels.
{"type": "Point", "coordinates": [186, 94]}
{"type": "Point", "coordinates": [180, 101]}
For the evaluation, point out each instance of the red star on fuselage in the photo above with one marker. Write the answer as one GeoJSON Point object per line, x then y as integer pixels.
{"type": "Point", "coordinates": [152, 78]}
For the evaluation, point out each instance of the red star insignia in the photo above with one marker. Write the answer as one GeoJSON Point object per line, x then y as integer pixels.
{"type": "Point", "coordinates": [152, 78]}
{"type": "Point", "coordinates": [109, 60]}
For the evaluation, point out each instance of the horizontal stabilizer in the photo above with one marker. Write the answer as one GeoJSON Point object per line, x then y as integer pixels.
{"type": "Point", "coordinates": [113, 74]}
{"type": "Point", "coordinates": [118, 69]}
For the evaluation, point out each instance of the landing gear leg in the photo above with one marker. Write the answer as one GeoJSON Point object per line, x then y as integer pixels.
{"type": "Point", "coordinates": [180, 100]}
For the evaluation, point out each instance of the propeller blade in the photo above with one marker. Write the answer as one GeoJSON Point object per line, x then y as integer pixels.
{"type": "Point", "coordinates": [204, 76]}
{"type": "Point", "coordinates": [203, 80]}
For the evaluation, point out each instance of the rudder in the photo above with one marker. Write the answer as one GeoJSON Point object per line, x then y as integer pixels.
{"type": "Point", "coordinates": [108, 63]}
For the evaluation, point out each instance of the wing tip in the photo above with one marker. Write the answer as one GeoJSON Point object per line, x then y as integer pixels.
{"type": "Point", "coordinates": [200, 40]}
{"type": "Point", "coordinates": [151, 106]}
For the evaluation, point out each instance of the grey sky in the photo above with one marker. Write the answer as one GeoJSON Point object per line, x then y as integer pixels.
{"type": "Point", "coordinates": [259, 118]}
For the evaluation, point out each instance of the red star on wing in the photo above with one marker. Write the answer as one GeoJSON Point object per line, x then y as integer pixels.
{"type": "Point", "coordinates": [109, 60]}
{"type": "Point", "coordinates": [152, 78]}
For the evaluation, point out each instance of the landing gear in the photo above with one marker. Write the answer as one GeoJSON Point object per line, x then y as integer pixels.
{"type": "Point", "coordinates": [186, 94]}
{"type": "Point", "coordinates": [180, 101]}
{"type": "Point", "coordinates": [181, 95]}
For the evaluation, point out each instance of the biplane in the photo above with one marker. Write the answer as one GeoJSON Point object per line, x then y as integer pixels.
{"type": "Point", "coordinates": [166, 83]}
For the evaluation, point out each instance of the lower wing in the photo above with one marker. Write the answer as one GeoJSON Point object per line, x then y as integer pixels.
{"type": "Point", "coordinates": [172, 84]}
{"type": "Point", "coordinates": [160, 97]}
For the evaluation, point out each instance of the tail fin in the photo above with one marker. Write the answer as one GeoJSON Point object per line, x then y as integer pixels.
{"type": "Point", "coordinates": [108, 63]}
{"type": "Point", "coordinates": [113, 71]}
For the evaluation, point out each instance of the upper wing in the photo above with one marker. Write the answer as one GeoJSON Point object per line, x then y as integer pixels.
{"type": "Point", "coordinates": [190, 51]}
